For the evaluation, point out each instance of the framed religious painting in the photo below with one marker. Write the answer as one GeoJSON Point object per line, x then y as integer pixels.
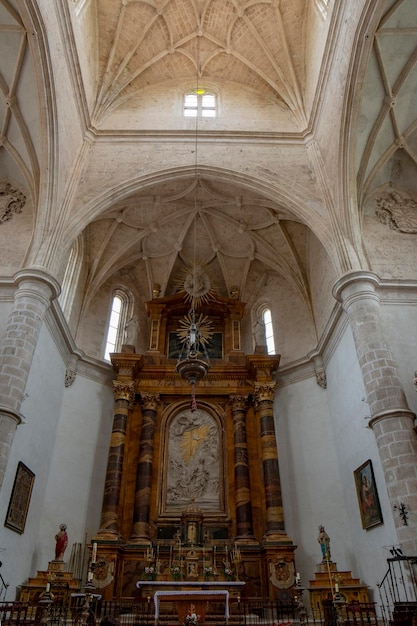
{"type": "Point", "coordinates": [367, 492]}
{"type": "Point", "coordinates": [20, 499]}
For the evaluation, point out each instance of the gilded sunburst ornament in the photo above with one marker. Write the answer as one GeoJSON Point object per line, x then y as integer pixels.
{"type": "Point", "coordinates": [196, 283]}
{"type": "Point", "coordinates": [194, 331]}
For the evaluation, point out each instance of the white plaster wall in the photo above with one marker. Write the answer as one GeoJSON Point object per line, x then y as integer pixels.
{"type": "Point", "coordinates": [355, 443]}
{"type": "Point", "coordinates": [78, 466]}
{"type": "Point", "coordinates": [33, 445]}
{"type": "Point", "coordinates": [309, 473]}
{"type": "Point", "coordinates": [323, 436]}
{"type": "Point", "coordinates": [64, 440]}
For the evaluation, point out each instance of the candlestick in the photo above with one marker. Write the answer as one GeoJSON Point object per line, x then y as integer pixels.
{"type": "Point", "coordinates": [48, 587]}
{"type": "Point", "coordinates": [336, 587]}
{"type": "Point", "coordinates": [297, 577]}
{"type": "Point", "coordinates": [94, 556]}
{"type": "Point", "coordinates": [90, 576]}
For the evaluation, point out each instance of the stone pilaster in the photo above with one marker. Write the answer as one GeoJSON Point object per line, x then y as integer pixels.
{"type": "Point", "coordinates": [123, 397]}
{"type": "Point", "coordinates": [391, 419]}
{"type": "Point", "coordinates": [264, 398]}
{"type": "Point", "coordinates": [35, 291]}
{"type": "Point", "coordinates": [144, 470]}
{"type": "Point", "coordinates": [244, 523]}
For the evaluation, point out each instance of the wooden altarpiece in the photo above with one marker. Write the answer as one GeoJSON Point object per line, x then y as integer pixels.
{"type": "Point", "coordinates": [193, 496]}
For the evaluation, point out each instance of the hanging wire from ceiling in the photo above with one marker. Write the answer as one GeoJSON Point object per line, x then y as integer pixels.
{"type": "Point", "coordinates": [195, 332]}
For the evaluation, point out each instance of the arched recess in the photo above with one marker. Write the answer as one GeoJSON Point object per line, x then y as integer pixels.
{"type": "Point", "coordinates": [291, 199]}
{"type": "Point", "coordinates": [193, 451]}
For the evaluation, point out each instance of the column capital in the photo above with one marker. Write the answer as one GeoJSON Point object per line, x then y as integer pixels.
{"type": "Point", "coordinates": [238, 402]}
{"type": "Point", "coordinates": [150, 401]}
{"type": "Point", "coordinates": [264, 391]}
{"type": "Point", "coordinates": [356, 285]}
{"type": "Point", "coordinates": [124, 390]}
{"type": "Point", "coordinates": [35, 275]}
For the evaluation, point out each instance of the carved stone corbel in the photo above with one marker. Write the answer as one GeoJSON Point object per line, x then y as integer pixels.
{"type": "Point", "coordinates": [71, 371]}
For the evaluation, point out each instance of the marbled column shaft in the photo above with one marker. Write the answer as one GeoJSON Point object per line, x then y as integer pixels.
{"type": "Point", "coordinates": [244, 524]}
{"type": "Point", "coordinates": [144, 470]}
{"type": "Point", "coordinates": [264, 396]}
{"type": "Point", "coordinates": [391, 419]}
{"type": "Point", "coordinates": [109, 525]}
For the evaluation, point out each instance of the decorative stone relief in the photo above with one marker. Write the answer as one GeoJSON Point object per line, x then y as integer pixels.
{"type": "Point", "coordinates": [398, 211]}
{"type": "Point", "coordinates": [11, 201]}
{"type": "Point", "coordinates": [193, 461]}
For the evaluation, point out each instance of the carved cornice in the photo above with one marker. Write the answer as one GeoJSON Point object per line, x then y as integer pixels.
{"type": "Point", "coordinates": [264, 392]}
{"type": "Point", "coordinates": [124, 390]}
{"type": "Point", "coordinates": [127, 365]}
{"type": "Point", "coordinates": [150, 401]}
{"type": "Point", "coordinates": [262, 366]}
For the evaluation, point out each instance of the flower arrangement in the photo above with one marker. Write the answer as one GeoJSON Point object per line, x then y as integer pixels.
{"type": "Point", "coordinates": [208, 571]}
{"type": "Point", "coordinates": [191, 619]}
{"type": "Point", "coordinates": [150, 572]}
{"type": "Point", "coordinates": [228, 572]}
{"type": "Point", "coordinates": [176, 571]}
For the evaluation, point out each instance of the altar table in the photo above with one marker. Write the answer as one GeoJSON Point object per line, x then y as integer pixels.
{"type": "Point", "coordinates": [184, 600]}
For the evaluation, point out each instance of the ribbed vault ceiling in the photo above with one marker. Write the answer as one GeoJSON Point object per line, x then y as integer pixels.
{"type": "Point", "coordinates": [132, 47]}
{"type": "Point", "coordinates": [258, 45]}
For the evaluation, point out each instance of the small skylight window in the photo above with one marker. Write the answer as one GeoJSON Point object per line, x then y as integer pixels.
{"type": "Point", "coordinates": [200, 103]}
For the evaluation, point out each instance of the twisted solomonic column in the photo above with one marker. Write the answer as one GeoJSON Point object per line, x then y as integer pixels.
{"type": "Point", "coordinates": [264, 398]}
{"type": "Point", "coordinates": [144, 470]}
{"type": "Point", "coordinates": [123, 397]}
{"type": "Point", "coordinates": [244, 528]}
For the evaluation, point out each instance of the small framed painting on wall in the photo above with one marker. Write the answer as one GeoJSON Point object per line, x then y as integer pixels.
{"type": "Point", "coordinates": [368, 499]}
{"type": "Point", "coordinates": [20, 499]}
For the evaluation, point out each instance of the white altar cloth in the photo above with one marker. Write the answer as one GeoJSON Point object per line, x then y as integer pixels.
{"type": "Point", "coordinates": [177, 594]}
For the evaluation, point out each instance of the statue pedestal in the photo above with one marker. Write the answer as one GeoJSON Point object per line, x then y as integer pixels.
{"type": "Point", "coordinates": [61, 584]}
{"type": "Point", "coordinates": [56, 566]}
{"type": "Point", "coordinates": [323, 587]}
